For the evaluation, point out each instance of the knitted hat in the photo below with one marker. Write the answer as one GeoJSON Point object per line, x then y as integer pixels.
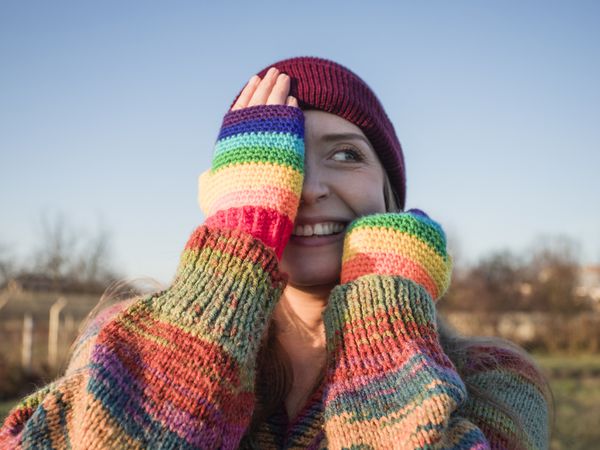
{"type": "Point", "coordinates": [325, 85]}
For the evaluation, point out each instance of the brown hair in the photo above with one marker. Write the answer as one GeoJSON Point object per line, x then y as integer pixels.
{"type": "Point", "coordinates": [275, 376]}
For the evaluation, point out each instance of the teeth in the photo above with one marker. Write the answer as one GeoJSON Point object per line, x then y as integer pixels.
{"type": "Point", "coordinates": [319, 229]}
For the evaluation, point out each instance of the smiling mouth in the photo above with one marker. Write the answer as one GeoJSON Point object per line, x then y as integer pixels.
{"type": "Point", "coordinates": [319, 229]}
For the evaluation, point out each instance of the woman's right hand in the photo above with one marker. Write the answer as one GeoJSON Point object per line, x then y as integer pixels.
{"type": "Point", "coordinates": [273, 89]}
{"type": "Point", "coordinates": [255, 181]}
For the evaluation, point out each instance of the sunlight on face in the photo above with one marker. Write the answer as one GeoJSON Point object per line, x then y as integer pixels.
{"type": "Point", "coordinates": [343, 180]}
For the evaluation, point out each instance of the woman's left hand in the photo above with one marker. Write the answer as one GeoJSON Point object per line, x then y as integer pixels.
{"type": "Point", "coordinates": [389, 383]}
{"type": "Point", "coordinates": [408, 244]}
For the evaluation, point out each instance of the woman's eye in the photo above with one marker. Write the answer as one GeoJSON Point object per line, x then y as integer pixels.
{"type": "Point", "coordinates": [348, 155]}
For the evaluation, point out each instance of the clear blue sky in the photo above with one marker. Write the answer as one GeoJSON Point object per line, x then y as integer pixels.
{"type": "Point", "coordinates": [109, 111]}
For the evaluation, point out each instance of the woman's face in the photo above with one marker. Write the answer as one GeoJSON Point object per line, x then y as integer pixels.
{"type": "Point", "coordinates": [343, 179]}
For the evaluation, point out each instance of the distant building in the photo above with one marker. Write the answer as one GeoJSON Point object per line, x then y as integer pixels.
{"type": "Point", "coordinates": [33, 282]}
{"type": "Point", "coordinates": [589, 283]}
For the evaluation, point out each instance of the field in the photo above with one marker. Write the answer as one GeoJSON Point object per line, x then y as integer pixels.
{"type": "Point", "coordinates": [575, 382]}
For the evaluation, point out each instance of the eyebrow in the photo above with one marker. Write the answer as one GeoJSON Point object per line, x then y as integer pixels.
{"type": "Point", "coordinates": [340, 136]}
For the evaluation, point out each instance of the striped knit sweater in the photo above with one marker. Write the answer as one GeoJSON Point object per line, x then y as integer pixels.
{"type": "Point", "coordinates": [177, 369]}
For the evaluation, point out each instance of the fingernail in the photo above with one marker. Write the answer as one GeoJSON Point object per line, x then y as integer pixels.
{"type": "Point", "coordinates": [254, 79]}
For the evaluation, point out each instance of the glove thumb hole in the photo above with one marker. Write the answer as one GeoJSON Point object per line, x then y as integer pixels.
{"type": "Point", "coordinates": [417, 212]}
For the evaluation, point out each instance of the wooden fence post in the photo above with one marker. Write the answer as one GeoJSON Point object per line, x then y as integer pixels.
{"type": "Point", "coordinates": [53, 328]}
{"type": "Point", "coordinates": [27, 343]}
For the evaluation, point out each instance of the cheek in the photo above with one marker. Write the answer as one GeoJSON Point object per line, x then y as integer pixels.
{"type": "Point", "coordinates": [363, 193]}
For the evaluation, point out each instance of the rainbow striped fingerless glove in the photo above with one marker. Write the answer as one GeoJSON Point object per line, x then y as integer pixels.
{"type": "Point", "coordinates": [407, 244]}
{"type": "Point", "coordinates": [255, 181]}
{"type": "Point", "coordinates": [389, 382]}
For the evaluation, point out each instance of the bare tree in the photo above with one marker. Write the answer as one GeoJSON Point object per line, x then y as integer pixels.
{"type": "Point", "coordinates": [500, 276]}
{"type": "Point", "coordinates": [8, 265]}
{"type": "Point", "coordinates": [553, 273]}
{"type": "Point", "coordinates": [493, 284]}
{"type": "Point", "coordinates": [93, 262]}
{"type": "Point", "coordinates": [74, 257]}
{"type": "Point", "coordinates": [56, 248]}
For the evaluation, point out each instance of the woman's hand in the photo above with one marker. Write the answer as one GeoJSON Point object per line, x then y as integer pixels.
{"type": "Point", "coordinates": [387, 372]}
{"type": "Point", "coordinates": [271, 90]}
{"type": "Point", "coordinates": [255, 182]}
{"type": "Point", "coordinates": [407, 244]}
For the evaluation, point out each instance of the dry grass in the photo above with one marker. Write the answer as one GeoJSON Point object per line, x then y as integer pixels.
{"type": "Point", "coordinates": [575, 383]}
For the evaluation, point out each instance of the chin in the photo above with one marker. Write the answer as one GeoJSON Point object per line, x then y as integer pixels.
{"type": "Point", "coordinates": [313, 270]}
{"type": "Point", "coordinates": [313, 279]}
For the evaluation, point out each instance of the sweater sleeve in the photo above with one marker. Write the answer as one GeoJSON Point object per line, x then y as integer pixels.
{"type": "Point", "coordinates": [514, 410]}
{"type": "Point", "coordinates": [172, 370]}
{"type": "Point", "coordinates": [390, 384]}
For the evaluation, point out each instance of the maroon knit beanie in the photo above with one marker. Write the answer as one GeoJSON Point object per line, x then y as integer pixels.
{"type": "Point", "coordinates": [328, 86]}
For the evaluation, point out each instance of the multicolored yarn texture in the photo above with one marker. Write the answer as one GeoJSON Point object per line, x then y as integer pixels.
{"type": "Point", "coordinates": [172, 370]}
{"type": "Point", "coordinates": [388, 379]}
{"type": "Point", "coordinates": [256, 177]}
{"type": "Point", "coordinates": [389, 383]}
{"type": "Point", "coordinates": [408, 244]}
{"type": "Point", "coordinates": [177, 369]}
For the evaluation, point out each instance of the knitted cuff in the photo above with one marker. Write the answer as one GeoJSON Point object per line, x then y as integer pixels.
{"type": "Point", "coordinates": [378, 323]}
{"type": "Point", "coordinates": [409, 244]}
{"type": "Point", "coordinates": [226, 287]}
{"type": "Point", "coordinates": [255, 181]}
{"type": "Point", "coordinates": [387, 373]}
{"type": "Point", "coordinates": [358, 308]}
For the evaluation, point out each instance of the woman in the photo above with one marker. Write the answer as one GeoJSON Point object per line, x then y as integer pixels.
{"type": "Point", "coordinates": [303, 311]}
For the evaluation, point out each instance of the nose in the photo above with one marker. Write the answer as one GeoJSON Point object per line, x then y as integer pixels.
{"type": "Point", "coordinates": [315, 188]}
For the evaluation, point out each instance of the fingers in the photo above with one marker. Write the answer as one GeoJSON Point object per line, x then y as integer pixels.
{"type": "Point", "coordinates": [279, 93]}
{"type": "Point", "coordinates": [262, 92]}
{"type": "Point", "coordinates": [273, 89]}
{"type": "Point", "coordinates": [246, 93]}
